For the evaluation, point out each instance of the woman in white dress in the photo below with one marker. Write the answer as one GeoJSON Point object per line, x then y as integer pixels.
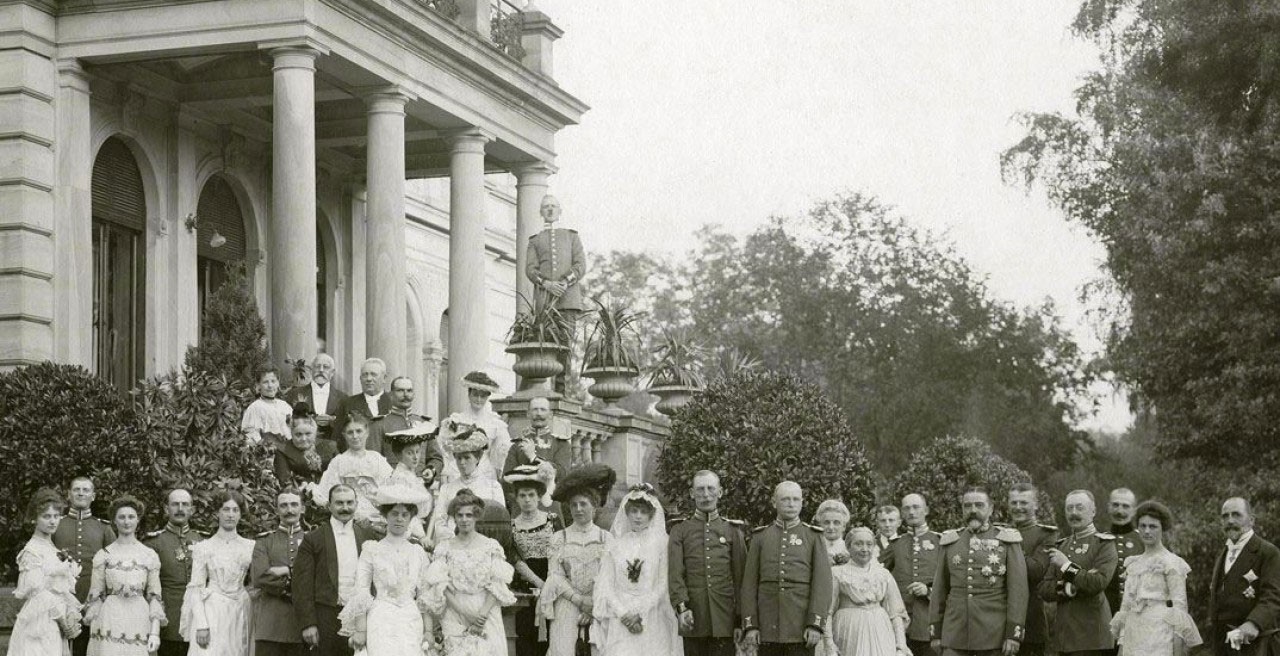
{"type": "Point", "coordinates": [832, 517]}
{"type": "Point", "coordinates": [215, 610]}
{"type": "Point", "coordinates": [50, 614]}
{"type": "Point", "coordinates": [407, 446]}
{"type": "Point", "coordinates": [630, 597]}
{"type": "Point", "coordinates": [1153, 619]}
{"type": "Point", "coordinates": [124, 610]}
{"type": "Point", "coordinates": [868, 617]}
{"type": "Point", "coordinates": [386, 615]}
{"type": "Point", "coordinates": [477, 415]}
{"type": "Point", "coordinates": [575, 556]}
{"type": "Point", "coordinates": [468, 583]}
{"type": "Point", "coordinates": [468, 448]}
{"type": "Point", "coordinates": [357, 467]}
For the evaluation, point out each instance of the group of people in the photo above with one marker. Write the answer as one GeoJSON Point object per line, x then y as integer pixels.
{"type": "Point", "coordinates": [433, 529]}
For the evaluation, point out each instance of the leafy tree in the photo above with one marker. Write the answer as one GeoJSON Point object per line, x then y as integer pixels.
{"type": "Point", "coordinates": [944, 470]}
{"type": "Point", "coordinates": [233, 337]}
{"type": "Point", "coordinates": [886, 318]}
{"type": "Point", "coordinates": [1171, 161]}
{"type": "Point", "coordinates": [758, 429]}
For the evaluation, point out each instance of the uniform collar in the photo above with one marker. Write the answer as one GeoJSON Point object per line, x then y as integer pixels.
{"type": "Point", "coordinates": [1085, 532]}
{"type": "Point", "coordinates": [87, 513]}
{"type": "Point", "coordinates": [924, 528]}
{"type": "Point", "coordinates": [290, 530]}
{"type": "Point", "coordinates": [1026, 524]}
{"type": "Point", "coordinates": [787, 525]}
{"type": "Point", "coordinates": [704, 517]}
{"type": "Point", "coordinates": [1121, 529]}
{"type": "Point", "coordinates": [178, 531]}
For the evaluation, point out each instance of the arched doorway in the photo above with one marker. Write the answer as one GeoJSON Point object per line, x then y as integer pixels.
{"type": "Point", "coordinates": [119, 209]}
{"type": "Point", "coordinates": [221, 238]}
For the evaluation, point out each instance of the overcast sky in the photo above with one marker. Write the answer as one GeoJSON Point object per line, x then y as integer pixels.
{"type": "Point", "coordinates": [713, 111]}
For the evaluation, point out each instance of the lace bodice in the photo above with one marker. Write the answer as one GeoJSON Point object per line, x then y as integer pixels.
{"type": "Point", "coordinates": [396, 568]}
{"type": "Point", "coordinates": [127, 570]}
{"type": "Point", "coordinates": [869, 586]}
{"type": "Point", "coordinates": [576, 556]}
{"type": "Point", "coordinates": [220, 564]}
{"type": "Point", "coordinates": [534, 542]}
{"type": "Point", "coordinates": [1156, 577]}
{"type": "Point", "coordinates": [42, 567]}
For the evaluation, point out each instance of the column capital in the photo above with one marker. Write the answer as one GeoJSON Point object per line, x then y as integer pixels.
{"type": "Point", "coordinates": [294, 53]}
{"type": "Point", "coordinates": [71, 74]}
{"type": "Point", "coordinates": [467, 140]}
{"type": "Point", "coordinates": [387, 99]}
{"type": "Point", "coordinates": [533, 173]}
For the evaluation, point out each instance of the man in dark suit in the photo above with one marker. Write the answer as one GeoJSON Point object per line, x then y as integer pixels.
{"type": "Point", "coordinates": [1244, 596]}
{"type": "Point", "coordinates": [324, 399]}
{"type": "Point", "coordinates": [324, 574]}
{"type": "Point", "coordinates": [370, 402]}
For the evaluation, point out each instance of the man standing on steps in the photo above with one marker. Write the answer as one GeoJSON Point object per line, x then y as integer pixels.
{"type": "Point", "coordinates": [1037, 539]}
{"type": "Point", "coordinates": [706, 557]}
{"type": "Point", "coordinates": [913, 559]}
{"type": "Point", "coordinates": [82, 535]}
{"type": "Point", "coordinates": [173, 544]}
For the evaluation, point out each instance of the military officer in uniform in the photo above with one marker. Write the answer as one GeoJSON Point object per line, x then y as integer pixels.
{"type": "Point", "coordinates": [81, 534]}
{"type": "Point", "coordinates": [1120, 508]}
{"type": "Point", "coordinates": [786, 587]}
{"type": "Point", "coordinates": [1080, 567]}
{"type": "Point", "coordinates": [555, 264]}
{"type": "Point", "coordinates": [1037, 539]}
{"type": "Point", "coordinates": [978, 603]}
{"type": "Point", "coordinates": [537, 444]}
{"type": "Point", "coordinates": [913, 560]}
{"type": "Point", "coordinates": [398, 418]}
{"type": "Point", "coordinates": [706, 554]}
{"type": "Point", "coordinates": [275, 627]}
{"type": "Point", "coordinates": [173, 544]}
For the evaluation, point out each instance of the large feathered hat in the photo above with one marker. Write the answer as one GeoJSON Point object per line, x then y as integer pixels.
{"type": "Point", "coordinates": [470, 439]}
{"type": "Point", "coordinates": [594, 479]}
{"type": "Point", "coordinates": [418, 433]}
{"type": "Point", "coordinates": [479, 380]}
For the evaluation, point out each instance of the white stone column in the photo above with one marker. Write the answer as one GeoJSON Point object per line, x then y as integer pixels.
{"type": "Point", "coordinates": [386, 279]}
{"type": "Point", "coordinates": [73, 232]}
{"type": "Point", "coordinates": [531, 186]}
{"type": "Point", "coordinates": [468, 332]}
{"type": "Point", "coordinates": [293, 193]}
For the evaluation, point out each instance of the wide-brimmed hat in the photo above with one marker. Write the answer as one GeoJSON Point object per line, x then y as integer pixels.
{"type": "Point", "coordinates": [526, 476]}
{"type": "Point", "coordinates": [418, 433]}
{"type": "Point", "coordinates": [392, 492]}
{"type": "Point", "coordinates": [595, 479]}
{"type": "Point", "coordinates": [468, 440]}
{"type": "Point", "coordinates": [479, 380]}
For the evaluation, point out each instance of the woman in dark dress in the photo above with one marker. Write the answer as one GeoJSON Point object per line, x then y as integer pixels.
{"type": "Point", "coordinates": [531, 532]}
{"type": "Point", "coordinates": [297, 464]}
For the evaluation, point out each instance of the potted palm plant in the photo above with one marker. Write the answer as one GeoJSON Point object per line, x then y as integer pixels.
{"type": "Point", "coordinates": [539, 339]}
{"type": "Point", "coordinates": [611, 353]}
{"type": "Point", "coordinates": [677, 373]}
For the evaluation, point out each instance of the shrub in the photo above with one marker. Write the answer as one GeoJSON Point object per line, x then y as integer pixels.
{"type": "Point", "coordinates": [944, 469]}
{"type": "Point", "coordinates": [759, 428]}
{"type": "Point", "coordinates": [233, 337]}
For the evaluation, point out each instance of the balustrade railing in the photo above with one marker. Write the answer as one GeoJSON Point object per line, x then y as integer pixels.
{"type": "Point", "coordinates": [505, 23]}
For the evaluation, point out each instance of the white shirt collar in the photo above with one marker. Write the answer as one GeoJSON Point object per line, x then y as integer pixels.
{"type": "Point", "coordinates": [339, 527]}
{"type": "Point", "coordinates": [1244, 537]}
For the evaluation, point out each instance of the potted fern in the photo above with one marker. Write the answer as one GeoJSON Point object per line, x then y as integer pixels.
{"type": "Point", "coordinates": [540, 340]}
{"type": "Point", "coordinates": [677, 373]}
{"type": "Point", "coordinates": [611, 353]}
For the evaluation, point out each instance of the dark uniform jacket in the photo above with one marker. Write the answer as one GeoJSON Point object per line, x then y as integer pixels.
{"type": "Point", "coordinates": [913, 558]}
{"type": "Point", "coordinates": [274, 619]}
{"type": "Point", "coordinates": [355, 405]}
{"type": "Point", "coordinates": [1249, 592]}
{"type": "Point", "coordinates": [979, 596]}
{"type": "Point", "coordinates": [1083, 619]}
{"type": "Point", "coordinates": [553, 448]}
{"type": "Point", "coordinates": [82, 535]}
{"type": "Point", "coordinates": [1036, 541]}
{"type": "Point", "coordinates": [556, 254]}
{"type": "Point", "coordinates": [1127, 544]}
{"type": "Point", "coordinates": [707, 555]}
{"type": "Point", "coordinates": [173, 545]}
{"type": "Point", "coordinates": [787, 585]}
{"type": "Point", "coordinates": [315, 571]}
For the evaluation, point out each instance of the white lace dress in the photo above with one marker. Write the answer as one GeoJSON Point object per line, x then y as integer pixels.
{"type": "Point", "coordinates": [46, 580]}
{"type": "Point", "coordinates": [1153, 619]}
{"type": "Point", "coordinates": [362, 472]}
{"type": "Point", "coordinates": [124, 600]}
{"type": "Point", "coordinates": [216, 598]}
{"type": "Point", "coordinates": [633, 581]}
{"type": "Point", "coordinates": [470, 573]}
{"type": "Point", "coordinates": [389, 601]}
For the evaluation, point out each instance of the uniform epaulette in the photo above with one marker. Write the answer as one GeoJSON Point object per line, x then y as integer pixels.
{"type": "Point", "coordinates": [675, 520]}
{"type": "Point", "coordinates": [760, 528]}
{"type": "Point", "coordinates": [1061, 540]}
{"type": "Point", "coordinates": [1106, 537]}
{"type": "Point", "coordinates": [895, 538]}
{"type": "Point", "coordinates": [104, 521]}
{"type": "Point", "coordinates": [735, 522]}
{"type": "Point", "coordinates": [264, 534]}
{"type": "Point", "coordinates": [203, 534]}
{"type": "Point", "coordinates": [949, 536]}
{"type": "Point", "coordinates": [1008, 535]}
{"type": "Point", "coordinates": [1047, 527]}
{"type": "Point", "coordinates": [816, 528]}
{"type": "Point", "coordinates": [153, 534]}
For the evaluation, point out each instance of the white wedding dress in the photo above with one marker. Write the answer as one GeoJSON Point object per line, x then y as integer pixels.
{"type": "Point", "coordinates": [389, 602]}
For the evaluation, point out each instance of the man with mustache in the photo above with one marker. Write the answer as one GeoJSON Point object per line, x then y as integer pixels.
{"type": "Point", "coordinates": [324, 574]}
{"type": "Point", "coordinates": [275, 627]}
{"type": "Point", "coordinates": [1121, 506]}
{"type": "Point", "coordinates": [371, 402]}
{"type": "Point", "coordinates": [1080, 567]}
{"type": "Point", "coordinates": [400, 417]}
{"type": "Point", "coordinates": [913, 559]}
{"type": "Point", "coordinates": [173, 544]}
{"type": "Point", "coordinates": [1037, 539]}
{"type": "Point", "coordinates": [979, 599]}
{"type": "Point", "coordinates": [1244, 595]}
{"type": "Point", "coordinates": [324, 399]}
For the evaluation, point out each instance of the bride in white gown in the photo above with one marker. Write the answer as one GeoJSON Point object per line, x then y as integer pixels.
{"type": "Point", "coordinates": [386, 615]}
{"type": "Point", "coordinates": [630, 598]}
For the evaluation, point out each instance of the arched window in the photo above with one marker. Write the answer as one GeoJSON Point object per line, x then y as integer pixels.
{"type": "Point", "coordinates": [220, 237]}
{"type": "Point", "coordinates": [119, 209]}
